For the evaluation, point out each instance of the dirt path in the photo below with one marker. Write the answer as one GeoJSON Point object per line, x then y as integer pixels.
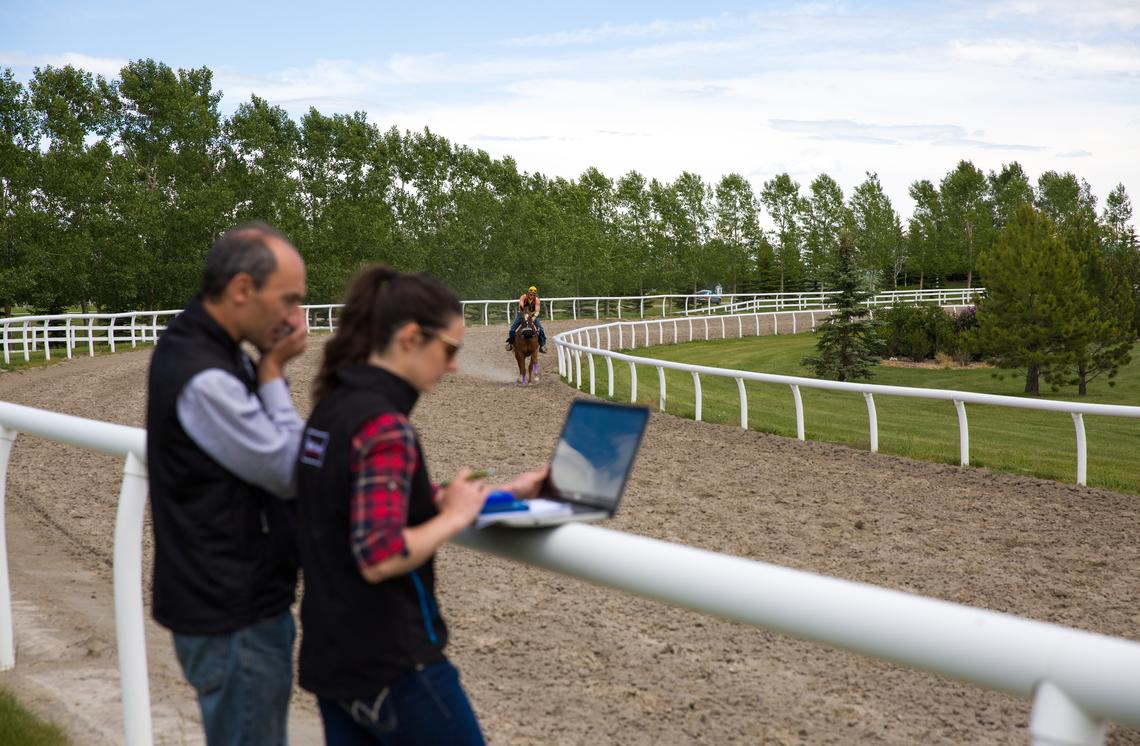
{"type": "Point", "coordinates": [549, 659]}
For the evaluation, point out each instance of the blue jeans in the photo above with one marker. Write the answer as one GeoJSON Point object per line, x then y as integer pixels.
{"type": "Point", "coordinates": [425, 707]}
{"type": "Point", "coordinates": [243, 680]}
{"type": "Point", "coordinates": [518, 322]}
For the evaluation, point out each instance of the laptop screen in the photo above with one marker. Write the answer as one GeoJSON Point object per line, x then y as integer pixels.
{"type": "Point", "coordinates": [594, 456]}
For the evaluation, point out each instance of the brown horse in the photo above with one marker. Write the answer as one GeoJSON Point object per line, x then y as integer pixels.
{"type": "Point", "coordinates": [526, 346]}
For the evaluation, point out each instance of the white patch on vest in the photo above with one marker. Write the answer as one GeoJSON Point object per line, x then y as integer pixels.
{"type": "Point", "coordinates": [313, 450]}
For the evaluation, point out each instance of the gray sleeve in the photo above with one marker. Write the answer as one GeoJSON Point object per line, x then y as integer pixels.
{"type": "Point", "coordinates": [254, 436]}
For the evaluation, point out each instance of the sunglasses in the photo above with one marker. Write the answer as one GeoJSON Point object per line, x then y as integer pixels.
{"type": "Point", "coordinates": [451, 347]}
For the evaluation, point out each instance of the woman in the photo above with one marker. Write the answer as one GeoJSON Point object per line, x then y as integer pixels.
{"type": "Point", "coordinates": [371, 521]}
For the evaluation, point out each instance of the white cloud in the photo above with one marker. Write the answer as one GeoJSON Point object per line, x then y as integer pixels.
{"type": "Point", "coordinates": [1090, 14]}
{"type": "Point", "coordinates": [1070, 57]}
{"type": "Point", "coordinates": [108, 67]}
{"type": "Point", "coordinates": [614, 32]}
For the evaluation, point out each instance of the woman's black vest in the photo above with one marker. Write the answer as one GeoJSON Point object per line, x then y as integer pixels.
{"type": "Point", "coordinates": [358, 637]}
{"type": "Point", "coordinates": [224, 549]}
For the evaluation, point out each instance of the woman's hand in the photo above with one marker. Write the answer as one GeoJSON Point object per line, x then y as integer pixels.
{"type": "Point", "coordinates": [526, 485]}
{"type": "Point", "coordinates": [463, 498]}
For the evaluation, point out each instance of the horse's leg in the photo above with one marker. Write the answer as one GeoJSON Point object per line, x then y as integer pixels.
{"type": "Point", "coordinates": [520, 361]}
{"type": "Point", "coordinates": [534, 368]}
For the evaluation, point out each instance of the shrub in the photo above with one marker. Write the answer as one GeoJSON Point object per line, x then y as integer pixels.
{"type": "Point", "coordinates": [921, 332]}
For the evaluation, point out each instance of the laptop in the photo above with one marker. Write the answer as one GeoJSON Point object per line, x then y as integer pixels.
{"type": "Point", "coordinates": [588, 472]}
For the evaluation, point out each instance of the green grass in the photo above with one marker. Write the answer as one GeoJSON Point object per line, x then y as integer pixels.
{"type": "Point", "coordinates": [1016, 441]}
{"type": "Point", "coordinates": [18, 727]}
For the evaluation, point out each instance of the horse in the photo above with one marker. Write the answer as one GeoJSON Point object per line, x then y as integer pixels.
{"type": "Point", "coordinates": [526, 345]}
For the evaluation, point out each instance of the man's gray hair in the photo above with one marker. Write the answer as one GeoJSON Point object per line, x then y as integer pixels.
{"type": "Point", "coordinates": [244, 248]}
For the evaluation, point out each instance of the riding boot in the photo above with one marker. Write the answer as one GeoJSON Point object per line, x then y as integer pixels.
{"type": "Point", "coordinates": [510, 344]}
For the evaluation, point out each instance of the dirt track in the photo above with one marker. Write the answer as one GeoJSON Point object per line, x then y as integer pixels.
{"type": "Point", "coordinates": [549, 659]}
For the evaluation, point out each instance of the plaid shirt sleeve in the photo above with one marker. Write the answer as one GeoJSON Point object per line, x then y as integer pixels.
{"type": "Point", "coordinates": [384, 458]}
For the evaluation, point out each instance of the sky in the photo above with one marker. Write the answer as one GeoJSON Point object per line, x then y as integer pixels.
{"type": "Point", "coordinates": [905, 90]}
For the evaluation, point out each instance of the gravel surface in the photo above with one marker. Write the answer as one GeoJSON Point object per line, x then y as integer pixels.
{"type": "Point", "coordinates": [550, 659]}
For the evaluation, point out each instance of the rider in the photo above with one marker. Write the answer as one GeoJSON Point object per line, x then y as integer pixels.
{"type": "Point", "coordinates": [528, 303]}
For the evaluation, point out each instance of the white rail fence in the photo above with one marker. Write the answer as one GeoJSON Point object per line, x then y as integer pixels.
{"type": "Point", "coordinates": [23, 336]}
{"type": "Point", "coordinates": [683, 305]}
{"type": "Point", "coordinates": [1078, 681]}
{"type": "Point", "coordinates": [587, 342]}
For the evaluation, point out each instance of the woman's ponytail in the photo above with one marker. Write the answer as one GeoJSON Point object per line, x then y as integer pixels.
{"type": "Point", "coordinates": [380, 300]}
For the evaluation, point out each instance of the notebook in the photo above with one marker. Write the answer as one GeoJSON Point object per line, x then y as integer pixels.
{"type": "Point", "coordinates": [588, 471]}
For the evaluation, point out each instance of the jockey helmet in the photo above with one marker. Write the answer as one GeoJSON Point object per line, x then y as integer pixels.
{"type": "Point", "coordinates": [532, 289]}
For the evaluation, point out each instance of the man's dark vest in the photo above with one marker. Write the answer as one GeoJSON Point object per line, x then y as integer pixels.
{"type": "Point", "coordinates": [358, 636]}
{"type": "Point", "coordinates": [224, 549]}
{"type": "Point", "coordinates": [529, 304]}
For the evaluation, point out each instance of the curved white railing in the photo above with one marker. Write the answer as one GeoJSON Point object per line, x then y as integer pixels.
{"type": "Point", "coordinates": [1078, 681]}
{"type": "Point", "coordinates": [572, 345]}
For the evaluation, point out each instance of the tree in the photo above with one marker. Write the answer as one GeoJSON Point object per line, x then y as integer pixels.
{"type": "Point", "coordinates": [18, 161]}
{"type": "Point", "coordinates": [926, 237]}
{"type": "Point", "coordinates": [735, 227]}
{"type": "Point", "coordinates": [1034, 298]}
{"type": "Point", "coordinates": [1065, 200]}
{"type": "Point", "coordinates": [1119, 234]}
{"type": "Point", "coordinates": [877, 233]}
{"type": "Point", "coordinates": [73, 113]}
{"type": "Point", "coordinates": [1101, 342]}
{"type": "Point", "coordinates": [846, 348]}
{"type": "Point", "coordinates": [825, 216]}
{"type": "Point", "coordinates": [968, 215]}
{"type": "Point", "coordinates": [1008, 190]}
{"type": "Point", "coordinates": [170, 194]}
{"type": "Point", "coordinates": [690, 226]}
{"type": "Point", "coordinates": [1121, 247]}
{"type": "Point", "coordinates": [781, 197]}
{"type": "Point", "coordinates": [636, 264]}
{"type": "Point", "coordinates": [262, 152]}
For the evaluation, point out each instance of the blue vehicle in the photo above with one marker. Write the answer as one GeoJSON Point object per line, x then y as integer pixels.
{"type": "Point", "coordinates": [712, 296]}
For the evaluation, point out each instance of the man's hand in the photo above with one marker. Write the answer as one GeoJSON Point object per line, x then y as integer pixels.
{"type": "Point", "coordinates": [289, 344]}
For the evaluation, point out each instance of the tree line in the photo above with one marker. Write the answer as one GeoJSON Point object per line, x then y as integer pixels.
{"type": "Point", "coordinates": [111, 191]}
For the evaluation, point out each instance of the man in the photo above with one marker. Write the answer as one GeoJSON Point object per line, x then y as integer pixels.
{"type": "Point", "coordinates": [222, 438]}
{"type": "Point", "coordinates": [528, 303]}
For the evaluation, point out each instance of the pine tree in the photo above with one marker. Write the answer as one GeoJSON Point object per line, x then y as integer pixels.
{"type": "Point", "coordinates": [1034, 298]}
{"type": "Point", "coordinates": [846, 349]}
{"type": "Point", "coordinates": [1101, 343]}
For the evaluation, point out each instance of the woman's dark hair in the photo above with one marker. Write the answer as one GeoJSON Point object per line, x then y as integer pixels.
{"type": "Point", "coordinates": [380, 301]}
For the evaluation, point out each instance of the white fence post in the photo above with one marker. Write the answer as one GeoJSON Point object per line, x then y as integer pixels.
{"type": "Point", "coordinates": [633, 383]}
{"type": "Point", "coordinates": [1056, 720]}
{"type": "Point", "coordinates": [591, 360]}
{"type": "Point", "coordinates": [799, 411]}
{"type": "Point", "coordinates": [873, 420]}
{"type": "Point", "coordinates": [610, 373]}
{"type": "Point", "coordinates": [129, 628]}
{"type": "Point", "coordinates": [743, 404]}
{"type": "Point", "coordinates": [963, 433]}
{"type": "Point", "coordinates": [1082, 450]}
{"type": "Point", "coordinates": [7, 635]}
{"type": "Point", "coordinates": [661, 388]}
{"type": "Point", "coordinates": [697, 398]}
